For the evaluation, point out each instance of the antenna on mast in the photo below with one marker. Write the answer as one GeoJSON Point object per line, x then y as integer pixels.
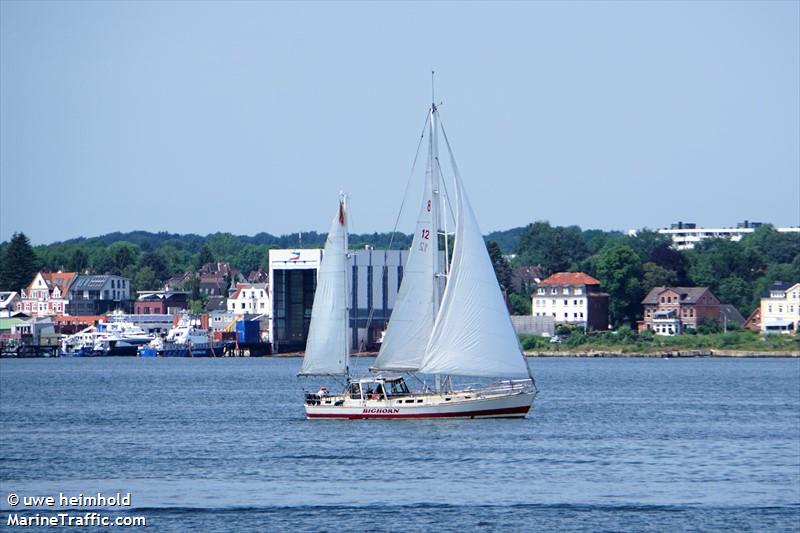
{"type": "Point", "coordinates": [433, 93]}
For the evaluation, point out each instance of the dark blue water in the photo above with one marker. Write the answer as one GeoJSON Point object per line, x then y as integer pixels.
{"type": "Point", "coordinates": [221, 444]}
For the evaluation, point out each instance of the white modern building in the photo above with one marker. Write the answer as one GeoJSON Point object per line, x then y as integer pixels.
{"type": "Point", "coordinates": [685, 235]}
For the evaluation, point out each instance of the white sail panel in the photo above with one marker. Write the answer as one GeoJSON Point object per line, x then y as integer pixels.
{"type": "Point", "coordinates": [473, 335]}
{"type": "Point", "coordinates": [326, 349]}
{"type": "Point", "coordinates": [412, 318]}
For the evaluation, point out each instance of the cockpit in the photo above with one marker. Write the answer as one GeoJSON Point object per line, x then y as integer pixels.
{"type": "Point", "coordinates": [377, 388]}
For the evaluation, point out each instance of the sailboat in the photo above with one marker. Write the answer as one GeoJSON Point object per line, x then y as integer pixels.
{"type": "Point", "coordinates": [450, 320]}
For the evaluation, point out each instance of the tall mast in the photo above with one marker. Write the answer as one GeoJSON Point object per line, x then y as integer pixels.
{"type": "Point", "coordinates": [343, 215]}
{"type": "Point", "coordinates": [436, 199]}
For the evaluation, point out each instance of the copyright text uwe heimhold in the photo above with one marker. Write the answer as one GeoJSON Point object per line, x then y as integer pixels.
{"type": "Point", "coordinates": [70, 510]}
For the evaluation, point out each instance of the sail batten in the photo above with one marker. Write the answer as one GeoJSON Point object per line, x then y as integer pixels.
{"type": "Point", "coordinates": [326, 349]}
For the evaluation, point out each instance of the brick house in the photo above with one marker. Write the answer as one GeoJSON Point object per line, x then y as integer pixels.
{"type": "Point", "coordinates": [672, 310]}
{"type": "Point", "coordinates": [161, 302]}
{"type": "Point", "coordinates": [572, 298]}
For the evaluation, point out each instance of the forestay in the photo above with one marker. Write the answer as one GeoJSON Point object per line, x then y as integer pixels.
{"type": "Point", "coordinates": [473, 335]}
{"type": "Point", "coordinates": [327, 349]}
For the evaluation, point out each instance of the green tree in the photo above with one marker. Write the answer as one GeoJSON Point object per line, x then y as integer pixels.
{"type": "Point", "coordinates": [251, 257]}
{"type": "Point", "coordinates": [120, 256]}
{"type": "Point", "coordinates": [18, 264]}
{"type": "Point", "coordinates": [645, 242]}
{"type": "Point", "coordinates": [204, 257]}
{"type": "Point", "coordinates": [145, 280]}
{"type": "Point", "coordinates": [156, 263]}
{"type": "Point", "coordinates": [620, 271]}
{"type": "Point", "coordinates": [657, 276]}
{"type": "Point", "coordinates": [501, 267]}
{"type": "Point", "coordinates": [737, 292]}
{"type": "Point", "coordinates": [78, 260]}
{"type": "Point", "coordinates": [555, 258]}
{"type": "Point", "coordinates": [520, 305]}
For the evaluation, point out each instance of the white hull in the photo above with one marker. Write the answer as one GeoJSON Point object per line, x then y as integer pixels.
{"type": "Point", "coordinates": [463, 404]}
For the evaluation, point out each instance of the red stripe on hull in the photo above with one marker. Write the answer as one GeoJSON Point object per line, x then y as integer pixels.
{"type": "Point", "coordinates": [491, 412]}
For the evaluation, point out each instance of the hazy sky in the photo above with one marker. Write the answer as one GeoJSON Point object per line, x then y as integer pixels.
{"type": "Point", "coordinates": [249, 117]}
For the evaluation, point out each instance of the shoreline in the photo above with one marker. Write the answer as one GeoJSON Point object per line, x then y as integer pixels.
{"type": "Point", "coordinates": [665, 354]}
{"type": "Point", "coordinates": [618, 353]}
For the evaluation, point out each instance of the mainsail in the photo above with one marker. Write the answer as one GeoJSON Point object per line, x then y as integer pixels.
{"type": "Point", "coordinates": [473, 335]}
{"type": "Point", "coordinates": [327, 347]}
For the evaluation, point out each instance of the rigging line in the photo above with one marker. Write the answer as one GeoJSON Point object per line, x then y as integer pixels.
{"type": "Point", "coordinates": [408, 183]}
{"type": "Point", "coordinates": [446, 194]}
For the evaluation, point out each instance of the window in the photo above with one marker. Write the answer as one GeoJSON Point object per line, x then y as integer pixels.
{"type": "Point", "coordinates": [574, 302]}
{"type": "Point", "coordinates": [663, 300]}
{"type": "Point", "coordinates": [575, 315]}
{"type": "Point", "coordinates": [566, 315]}
{"type": "Point", "coordinates": [553, 291]}
{"type": "Point", "coordinates": [566, 302]}
{"type": "Point", "coordinates": [242, 305]}
{"type": "Point", "coordinates": [566, 290]}
{"type": "Point", "coordinates": [579, 291]}
{"type": "Point", "coordinates": [769, 309]}
{"type": "Point", "coordinates": [540, 291]}
{"type": "Point", "coordinates": [581, 314]}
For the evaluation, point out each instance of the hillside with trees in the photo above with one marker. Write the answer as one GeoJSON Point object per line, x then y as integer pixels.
{"type": "Point", "coordinates": [627, 266]}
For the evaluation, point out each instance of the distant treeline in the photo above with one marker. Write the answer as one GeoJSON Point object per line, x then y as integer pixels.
{"type": "Point", "coordinates": [627, 266]}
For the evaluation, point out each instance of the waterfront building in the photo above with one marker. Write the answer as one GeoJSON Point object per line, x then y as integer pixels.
{"type": "Point", "coordinates": [374, 281]}
{"type": "Point", "coordinates": [780, 308]}
{"type": "Point", "coordinates": [571, 298]}
{"type": "Point", "coordinates": [98, 294]}
{"type": "Point", "coordinates": [47, 294]}
{"type": "Point", "coordinates": [685, 235]}
{"type": "Point", "coordinates": [9, 303]}
{"type": "Point", "coordinates": [249, 298]}
{"type": "Point", "coordinates": [167, 302]}
{"type": "Point", "coordinates": [672, 310]}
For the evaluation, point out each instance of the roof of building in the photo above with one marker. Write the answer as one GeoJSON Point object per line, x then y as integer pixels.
{"type": "Point", "coordinates": [731, 314]}
{"type": "Point", "coordinates": [778, 286]}
{"type": "Point", "coordinates": [246, 286]}
{"type": "Point", "coordinates": [7, 323]}
{"type": "Point", "coordinates": [570, 278]}
{"type": "Point", "coordinates": [754, 320]}
{"type": "Point", "coordinates": [688, 295]}
{"type": "Point", "coordinates": [62, 280]}
{"type": "Point", "coordinates": [258, 276]}
{"type": "Point", "coordinates": [217, 303]}
{"type": "Point", "coordinates": [6, 298]}
{"type": "Point", "coordinates": [92, 282]}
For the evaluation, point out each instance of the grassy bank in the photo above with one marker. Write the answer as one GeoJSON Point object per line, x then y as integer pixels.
{"type": "Point", "coordinates": [626, 341]}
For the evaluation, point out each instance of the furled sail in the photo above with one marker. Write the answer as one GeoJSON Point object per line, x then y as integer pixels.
{"type": "Point", "coordinates": [473, 335]}
{"type": "Point", "coordinates": [327, 348]}
{"type": "Point", "coordinates": [410, 327]}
